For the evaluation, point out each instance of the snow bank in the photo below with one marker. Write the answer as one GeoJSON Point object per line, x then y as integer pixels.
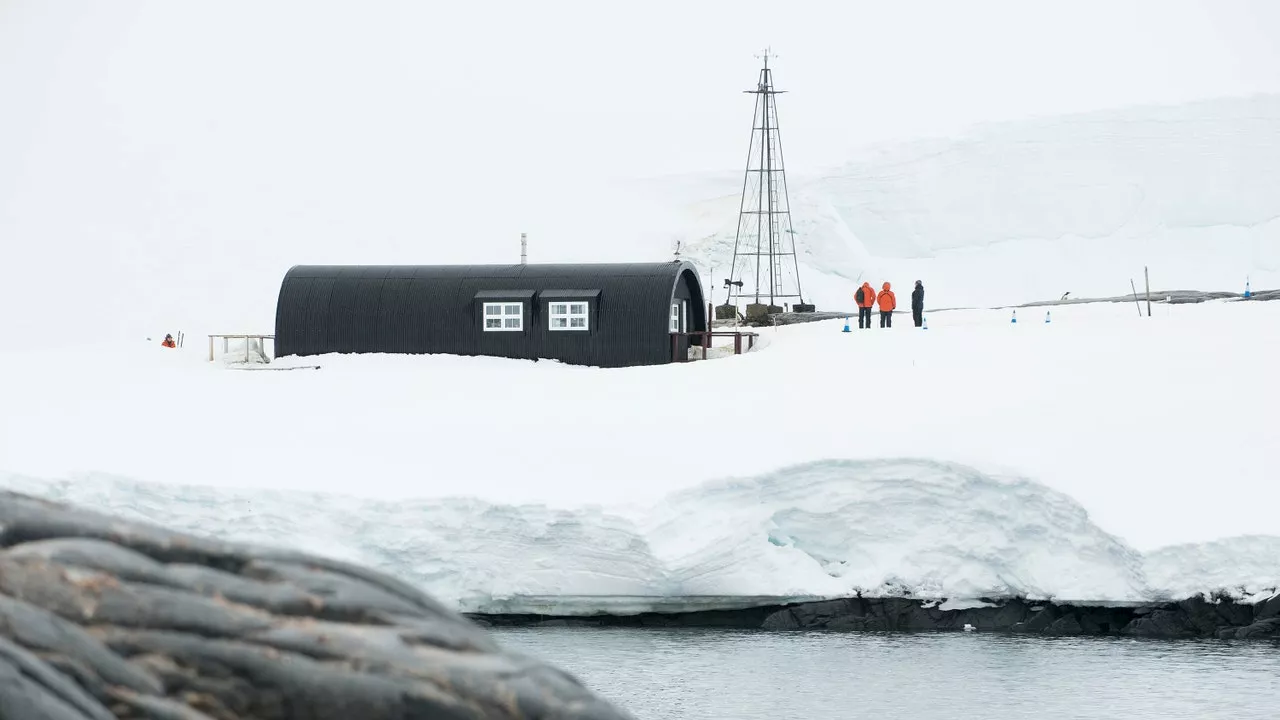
{"type": "Point", "coordinates": [929, 529]}
{"type": "Point", "coordinates": [1140, 420]}
{"type": "Point", "coordinates": [834, 528]}
{"type": "Point", "coordinates": [1245, 566]}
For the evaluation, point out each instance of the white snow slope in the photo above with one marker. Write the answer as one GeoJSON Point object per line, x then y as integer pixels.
{"type": "Point", "coordinates": [1028, 210]}
{"type": "Point", "coordinates": [582, 481]}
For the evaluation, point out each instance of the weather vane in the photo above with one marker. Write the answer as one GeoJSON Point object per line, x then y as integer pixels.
{"type": "Point", "coordinates": [768, 53]}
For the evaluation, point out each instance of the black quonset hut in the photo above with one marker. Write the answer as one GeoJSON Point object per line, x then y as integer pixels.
{"type": "Point", "coordinates": [602, 315]}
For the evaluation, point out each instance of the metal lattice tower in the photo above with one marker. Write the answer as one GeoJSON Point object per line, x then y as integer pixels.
{"type": "Point", "coordinates": [765, 239]}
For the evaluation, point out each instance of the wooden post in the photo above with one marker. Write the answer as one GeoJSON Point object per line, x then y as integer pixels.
{"type": "Point", "coordinates": [706, 347]}
{"type": "Point", "coordinates": [1135, 297]}
{"type": "Point", "coordinates": [737, 343]}
{"type": "Point", "coordinates": [1147, 275]}
{"type": "Point", "coordinates": [210, 348]}
{"type": "Point", "coordinates": [226, 344]}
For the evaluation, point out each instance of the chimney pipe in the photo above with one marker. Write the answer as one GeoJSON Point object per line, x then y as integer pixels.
{"type": "Point", "coordinates": [524, 245]}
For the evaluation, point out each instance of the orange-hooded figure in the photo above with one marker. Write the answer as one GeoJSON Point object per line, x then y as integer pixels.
{"type": "Point", "coordinates": [868, 295]}
{"type": "Point", "coordinates": [867, 302]}
{"type": "Point", "coordinates": [888, 303]}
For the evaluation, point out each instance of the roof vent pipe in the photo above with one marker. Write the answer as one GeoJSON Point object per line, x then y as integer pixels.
{"type": "Point", "coordinates": [524, 249]}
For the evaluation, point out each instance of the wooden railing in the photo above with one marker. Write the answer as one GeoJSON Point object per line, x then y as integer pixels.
{"type": "Point", "coordinates": [226, 343]}
{"type": "Point", "coordinates": [706, 339]}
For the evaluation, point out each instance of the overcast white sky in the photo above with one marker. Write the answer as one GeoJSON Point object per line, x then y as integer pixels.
{"type": "Point", "coordinates": [652, 85]}
{"type": "Point", "coordinates": [168, 135]}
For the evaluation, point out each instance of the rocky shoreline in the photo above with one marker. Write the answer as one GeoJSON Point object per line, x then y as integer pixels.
{"type": "Point", "coordinates": [1196, 617]}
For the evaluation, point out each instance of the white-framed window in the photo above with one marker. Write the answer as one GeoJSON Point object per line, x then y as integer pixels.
{"type": "Point", "coordinates": [503, 317]}
{"type": "Point", "coordinates": [675, 316]}
{"type": "Point", "coordinates": [567, 315]}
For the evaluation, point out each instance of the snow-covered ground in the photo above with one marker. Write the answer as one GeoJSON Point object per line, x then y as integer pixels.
{"type": "Point", "coordinates": [1162, 429]}
{"type": "Point", "coordinates": [1010, 212]}
{"type": "Point", "coordinates": [874, 460]}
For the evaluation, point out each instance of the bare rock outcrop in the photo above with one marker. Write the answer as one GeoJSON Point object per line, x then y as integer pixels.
{"type": "Point", "coordinates": [105, 619]}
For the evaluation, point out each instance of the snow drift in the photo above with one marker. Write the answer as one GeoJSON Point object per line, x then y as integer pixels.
{"type": "Point", "coordinates": [1243, 566]}
{"type": "Point", "coordinates": [930, 529]}
{"type": "Point", "coordinates": [834, 528]}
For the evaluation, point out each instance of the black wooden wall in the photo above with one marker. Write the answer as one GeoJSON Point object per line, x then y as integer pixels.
{"type": "Point", "coordinates": [438, 309]}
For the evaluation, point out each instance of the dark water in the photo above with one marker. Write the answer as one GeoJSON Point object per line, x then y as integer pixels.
{"type": "Point", "coordinates": [720, 675]}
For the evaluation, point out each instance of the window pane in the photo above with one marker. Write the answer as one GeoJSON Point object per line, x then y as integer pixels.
{"type": "Point", "coordinates": [492, 310]}
{"type": "Point", "coordinates": [513, 310]}
{"type": "Point", "coordinates": [513, 322]}
{"type": "Point", "coordinates": [578, 322]}
{"type": "Point", "coordinates": [579, 309]}
{"type": "Point", "coordinates": [558, 309]}
{"type": "Point", "coordinates": [493, 323]}
{"type": "Point", "coordinates": [557, 322]}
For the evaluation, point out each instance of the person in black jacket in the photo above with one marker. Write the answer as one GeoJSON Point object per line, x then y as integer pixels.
{"type": "Point", "coordinates": [917, 304]}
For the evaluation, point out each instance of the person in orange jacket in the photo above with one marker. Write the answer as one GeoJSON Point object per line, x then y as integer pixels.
{"type": "Point", "coordinates": [888, 303]}
{"type": "Point", "coordinates": [168, 342]}
{"type": "Point", "coordinates": [865, 297]}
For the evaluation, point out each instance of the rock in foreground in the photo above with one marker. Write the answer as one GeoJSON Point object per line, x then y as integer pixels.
{"type": "Point", "coordinates": [102, 618]}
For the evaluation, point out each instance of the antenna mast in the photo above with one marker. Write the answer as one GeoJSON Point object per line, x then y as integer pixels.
{"type": "Point", "coordinates": [765, 238]}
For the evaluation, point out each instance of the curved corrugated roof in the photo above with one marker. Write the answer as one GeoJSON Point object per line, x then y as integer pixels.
{"type": "Point", "coordinates": [437, 309]}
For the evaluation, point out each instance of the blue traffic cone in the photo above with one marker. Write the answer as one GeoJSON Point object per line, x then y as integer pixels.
{"type": "Point", "coordinates": [846, 324]}
{"type": "Point", "coordinates": [1015, 317]}
{"type": "Point", "coordinates": [1046, 317]}
{"type": "Point", "coordinates": [1247, 292]}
